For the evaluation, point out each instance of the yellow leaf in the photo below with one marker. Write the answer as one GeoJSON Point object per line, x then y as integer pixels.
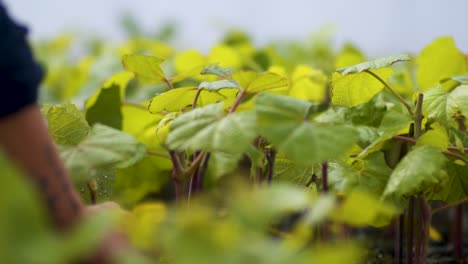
{"type": "Point", "coordinates": [225, 56]}
{"type": "Point", "coordinates": [357, 88]}
{"type": "Point", "coordinates": [439, 60]}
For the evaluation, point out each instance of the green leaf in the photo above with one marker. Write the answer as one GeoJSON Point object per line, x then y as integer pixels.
{"type": "Point", "coordinates": [393, 123]}
{"type": "Point", "coordinates": [254, 82]}
{"type": "Point", "coordinates": [104, 106]}
{"type": "Point", "coordinates": [438, 60]}
{"type": "Point", "coordinates": [217, 70]}
{"type": "Point", "coordinates": [106, 109]}
{"type": "Point", "coordinates": [408, 179]}
{"type": "Point", "coordinates": [455, 187]}
{"type": "Point", "coordinates": [179, 99]}
{"type": "Point", "coordinates": [459, 79]}
{"type": "Point", "coordinates": [103, 148]}
{"type": "Point", "coordinates": [146, 68]}
{"type": "Point", "coordinates": [285, 123]}
{"type": "Point", "coordinates": [217, 85]}
{"type": "Point", "coordinates": [361, 209]}
{"type": "Point", "coordinates": [358, 88]}
{"type": "Point", "coordinates": [322, 208]}
{"type": "Point", "coordinates": [222, 163]}
{"type": "Point", "coordinates": [436, 137]}
{"type": "Point", "coordinates": [443, 105]}
{"type": "Point", "coordinates": [373, 64]}
{"type": "Point", "coordinates": [210, 129]}
{"type": "Point", "coordinates": [370, 175]}
{"type": "Point", "coordinates": [145, 177]}
{"type": "Point", "coordinates": [141, 124]}
{"type": "Point", "coordinates": [288, 170]}
{"type": "Point", "coordinates": [66, 124]}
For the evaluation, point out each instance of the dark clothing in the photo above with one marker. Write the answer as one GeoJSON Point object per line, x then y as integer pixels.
{"type": "Point", "coordinates": [20, 74]}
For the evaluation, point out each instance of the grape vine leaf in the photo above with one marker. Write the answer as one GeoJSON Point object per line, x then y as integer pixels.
{"type": "Point", "coordinates": [459, 79]}
{"type": "Point", "coordinates": [393, 123]}
{"type": "Point", "coordinates": [146, 68]}
{"type": "Point", "coordinates": [437, 137]}
{"type": "Point", "coordinates": [443, 105]}
{"type": "Point", "coordinates": [308, 83]}
{"type": "Point", "coordinates": [438, 60]}
{"type": "Point", "coordinates": [288, 170]}
{"type": "Point", "coordinates": [141, 124]}
{"type": "Point", "coordinates": [217, 70]}
{"type": "Point", "coordinates": [362, 209]}
{"type": "Point", "coordinates": [254, 82]}
{"type": "Point", "coordinates": [106, 109]}
{"type": "Point", "coordinates": [350, 55]}
{"type": "Point", "coordinates": [357, 88]}
{"type": "Point", "coordinates": [408, 179]}
{"type": "Point", "coordinates": [180, 98]}
{"type": "Point", "coordinates": [210, 129]}
{"type": "Point", "coordinates": [145, 177]}
{"type": "Point", "coordinates": [455, 187]}
{"type": "Point", "coordinates": [369, 174]}
{"type": "Point", "coordinates": [103, 148]}
{"type": "Point", "coordinates": [104, 106]}
{"type": "Point", "coordinates": [222, 163]}
{"type": "Point", "coordinates": [373, 64]}
{"type": "Point", "coordinates": [217, 85]}
{"type": "Point", "coordinates": [66, 124]}
{"type": "Point", "coordinates": [284, 122]}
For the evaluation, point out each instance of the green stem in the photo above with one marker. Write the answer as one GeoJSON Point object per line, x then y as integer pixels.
{"type": "Point", "coordinates": [402, 100]}
{"type": "Point", "coordinates": [92, 187]}
{"type": "Point", "coordinates": [195, 164]}
{"type": "Point", "coordinates": [418, 117]}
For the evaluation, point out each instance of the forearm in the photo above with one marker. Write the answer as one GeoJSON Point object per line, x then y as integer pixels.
{"type": "Point", "coordinates": [25, 138]}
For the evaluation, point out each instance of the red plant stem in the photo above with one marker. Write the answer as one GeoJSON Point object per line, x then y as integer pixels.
{"type": "Point", "coordinates": [176, 171]}
{"type": "Point", "coordinates": [412, 140]}
{"type": "Point", "coordinates": [399, 238]}
{"type": "Point", "coordinates": [426, 224]}
{"type": "Point", "coordinates": [193, 184]}
{"type": "Point", "coordinates": [271, 154]}
{"type": "Point", "coordinates": [410, 231]}
{"type": "Point", "coordinates": [450, 205]}
{"type": "Point", "coordinates": [325, 177]}
{"type": "Point", "coordinates": [202, 171]}
{"type": "Point", "coordinates": [195, 99]}
{"type": "Point", "coordinates": [238, 101]}
{"type": "Point", "coordinates": [169, 83]}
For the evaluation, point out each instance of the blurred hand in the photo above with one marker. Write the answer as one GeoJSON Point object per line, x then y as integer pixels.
{"type": "Point", "coordinates": [113, 244]}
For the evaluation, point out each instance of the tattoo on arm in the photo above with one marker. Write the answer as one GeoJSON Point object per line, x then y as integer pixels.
{"type": "Point", "coordinates": [56, 187]}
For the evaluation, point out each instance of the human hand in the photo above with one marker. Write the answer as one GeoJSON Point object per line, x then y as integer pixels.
{"type": "Point", "coordinates": [113, 243]}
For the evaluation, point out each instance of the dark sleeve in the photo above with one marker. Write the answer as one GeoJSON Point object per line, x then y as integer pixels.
{"type": "Point", "coordinates": [20, 74]}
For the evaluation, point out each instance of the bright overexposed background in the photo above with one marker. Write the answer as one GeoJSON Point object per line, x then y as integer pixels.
{"type": "Point", "coordinates": [377, 26]}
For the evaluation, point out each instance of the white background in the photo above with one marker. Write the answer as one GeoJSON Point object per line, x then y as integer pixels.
{"type": "Point", "coordinates": [378, 26]}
